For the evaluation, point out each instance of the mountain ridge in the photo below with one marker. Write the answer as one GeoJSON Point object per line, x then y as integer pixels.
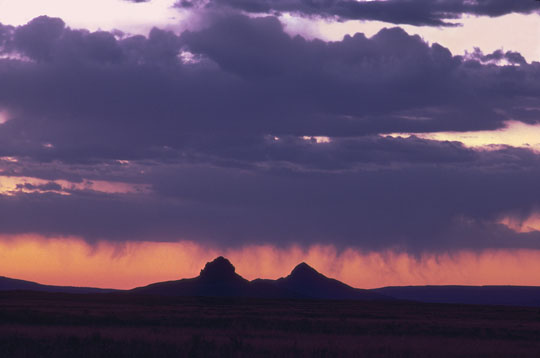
{"type": "Point", "coordinates": [218, 278]}
{"type": "Point", "coordinates": [12, 284]}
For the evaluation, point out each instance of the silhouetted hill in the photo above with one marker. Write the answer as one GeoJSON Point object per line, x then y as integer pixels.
{"type": "Point", "coordinates": [219, 270]}
{"type": "Point", "coordinates": [219, 279]}
{"type": "Point", "coordinates": [482, 295]}
{"type": "Point", "coordinates": [10, 284]}
{"type": "Point", "coordinates": [305, 281]}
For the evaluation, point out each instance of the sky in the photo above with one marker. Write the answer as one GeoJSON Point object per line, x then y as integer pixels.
{"type": "Point", "coordinates": [387, 142]}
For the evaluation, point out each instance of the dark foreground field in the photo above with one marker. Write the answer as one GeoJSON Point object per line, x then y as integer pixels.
{"type": "Point", "coordinates": [116, 325]}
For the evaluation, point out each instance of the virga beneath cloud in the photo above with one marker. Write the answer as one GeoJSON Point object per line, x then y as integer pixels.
{"type": "Point", "coordinates": [212, 125]}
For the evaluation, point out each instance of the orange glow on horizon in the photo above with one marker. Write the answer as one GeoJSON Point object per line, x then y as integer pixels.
{"type": "Point", "coordinates": [71, 261]}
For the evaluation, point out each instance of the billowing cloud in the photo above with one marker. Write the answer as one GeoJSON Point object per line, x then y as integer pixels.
{"type": "Point", "coordinates": [211, 136]}
{"type": "Point", "coordinates": [497, 56]}
{"type": "Point", "coordinates": [414, 206]}
{"type": "Point", "coordinates": [96, 95]}
{"type": "Point", "coordinates": [413, 12]}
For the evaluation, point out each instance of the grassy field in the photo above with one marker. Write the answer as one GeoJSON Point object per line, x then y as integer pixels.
{"type": "Point", "coordinates": [115, 325]}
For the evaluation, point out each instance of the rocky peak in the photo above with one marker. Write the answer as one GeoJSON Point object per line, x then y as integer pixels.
{"type": "Point", "coordinates": [303, 271]}
{"type": "Point", "coordinates": [220, 269]}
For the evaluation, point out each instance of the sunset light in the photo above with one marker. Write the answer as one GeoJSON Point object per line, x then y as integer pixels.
{"type": "Point", "coordinates": [269, 178]}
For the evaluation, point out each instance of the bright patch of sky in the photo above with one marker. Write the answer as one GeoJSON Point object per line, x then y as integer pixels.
{"type": "Point", "coordinates": [514, 32]}
{"type": "Point", "coordinates": [516, 134]}
{"type": "Point", "coordinates": [12, 185]}
{"type": "Point", "coordinates": [96, 14]}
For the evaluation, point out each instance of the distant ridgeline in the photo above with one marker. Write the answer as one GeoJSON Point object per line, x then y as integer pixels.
{"type": "Point", "coordinates": [219, 279]}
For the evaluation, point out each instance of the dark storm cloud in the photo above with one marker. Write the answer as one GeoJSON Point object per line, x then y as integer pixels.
{"type": "Point", "coordinates": [94, 96]}
{"type": "Point", "coordinates": [339, 154]}
{"type": "Point", "coordinates": [6, 32]}
{"type": "Point", "coordinates": [415, 207]}
{"type": "Point", "coordinates": [214, 121]}
{"type": "Point", "coordinates": [38, 38]}
{"type": "Point", "coordinates": [413, 12]}
{"type": "Point", "coordinates": [41, 187]}
{"type": "Point", "coordinates": [497, 56]}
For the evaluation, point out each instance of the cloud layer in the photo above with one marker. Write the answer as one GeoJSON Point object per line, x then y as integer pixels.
{"type": "Point", "coordinates": [412, 12]}
{"type": "Point", "coordinates": [219, 126]}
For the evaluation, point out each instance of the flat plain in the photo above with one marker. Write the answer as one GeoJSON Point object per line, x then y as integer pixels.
{"type": "Point", "coordinates": [36, 324]}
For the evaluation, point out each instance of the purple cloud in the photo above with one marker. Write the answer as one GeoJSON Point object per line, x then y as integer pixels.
{"type": "Point", "coordinates": [219, 139]}
{"type": "Point", "coordinates": [413, 12]}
